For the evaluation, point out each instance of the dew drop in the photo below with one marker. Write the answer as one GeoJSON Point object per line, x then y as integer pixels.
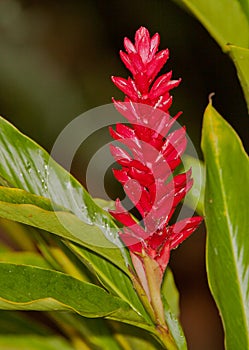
{"type": "Point", "coordinates": [93, 216]}
{"type": "Point", "coordinates": [44, 185]}
{"type": "Point", "coordinates": [68, 185]}
{"type": "Point", "coordinates": [46, 170]}
{"type": "Point", "coordinates": [83, 207]}
{"type": "Point", "coordinates": [28, 167]}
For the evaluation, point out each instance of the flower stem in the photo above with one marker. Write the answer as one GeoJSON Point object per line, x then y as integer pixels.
{"type": "Point", "coordinates": [153, 275]}
{"type": "Point", "coordinates": [167, 340]}
{"type": "Point", "coordinates": [154, 278]}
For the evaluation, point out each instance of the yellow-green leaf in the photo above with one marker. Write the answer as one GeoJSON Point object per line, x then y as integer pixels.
{"type": "Point", "coordinates": [24, 258]}
{"type": "Point", "coordinates": [27, 208]}
{"type": "Point", "coordinates": [33, 288]}
{"type": "Point", "coordinates": [225, 20]}
{"type": "Point", "coordinates": [27, 166]}
{"type": "Point", "coordinates": [240, 58]}
{"type": "Point", "coordinates": [227, 221]}
{"type": "Point", "coordinates": [195, 197]}
{"type": "Point", "coordinates": [33, 342]}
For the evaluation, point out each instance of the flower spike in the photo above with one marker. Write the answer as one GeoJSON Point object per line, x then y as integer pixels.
{"type": "Point", "coordinates": [146, 171]}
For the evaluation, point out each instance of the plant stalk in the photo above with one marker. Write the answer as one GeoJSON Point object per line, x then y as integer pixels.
{"type": "Point", "coordinates": [153, 275]}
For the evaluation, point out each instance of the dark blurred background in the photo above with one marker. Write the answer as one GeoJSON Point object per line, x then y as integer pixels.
{"type": "Point", "coordinates": [56, 59]}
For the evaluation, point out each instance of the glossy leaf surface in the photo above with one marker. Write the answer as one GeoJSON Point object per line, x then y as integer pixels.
{"type": "Point", "coordinates": [21, 206]}
{"type": "Point", "coordinates": [37, 211]}
{"type": "Point", "coordinates": [33, 288]}
{"type": "Point", "coordinates": [25, 165]}
{"type": "Point", "coordinates": [111, 278]}
{"type": "Point", "coordinates": [227, 221]}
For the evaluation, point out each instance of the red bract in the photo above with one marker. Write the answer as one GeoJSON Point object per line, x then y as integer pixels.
{"type": "Point", "coordinates": [152, 156]}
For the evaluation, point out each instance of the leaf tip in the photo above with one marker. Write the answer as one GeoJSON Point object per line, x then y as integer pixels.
{"type": "Point", "coordinates": [210, 97]}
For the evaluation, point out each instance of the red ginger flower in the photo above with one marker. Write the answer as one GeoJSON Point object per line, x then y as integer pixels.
{"type": "Point", "coordinates": [146, 172]}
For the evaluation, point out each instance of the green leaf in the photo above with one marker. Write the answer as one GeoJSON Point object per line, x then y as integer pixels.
{"type": "Point", "coordinates": [97, 333]}
{"type": "Point", "coordinates": [240, 58]}
{"type": "Point", "coordinates": [170, 292]}
{"type": "Point", "coordinates": [33, 342]}
{"type": "Point", "coordinates": [37, 211]}
{"type": "Point", "coordinates": [24, 258]}
{"type": "Point", "coordinates": [17, 235]}
{"type": "Point", "coordinates": [4, 248]}
{"type": "Point", "coordinates": [112, 278]}
{"type": "Point", "coordinates": [174, 326]}
{"type": "Point", "coordinates": [133, 338]}
{"type": "Point", "coordinates": [33, 288]}
{"type": "Point", "coordinates": [227, 221]}
{"type": "Point", "coordinates": [195, 197]}
{"type": "Point", "coordinates": [228, 22]}
{"type": "Point", "coordinates": [245, 6]}
{"type": "Point", "coordinates": [224, 20]}
{"type": "Point", "coordinates": [27, 166]}
{"type": "Point", "coordinates": [104, 204]}
{"type": "Point", "coordinates": [170, 297]}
